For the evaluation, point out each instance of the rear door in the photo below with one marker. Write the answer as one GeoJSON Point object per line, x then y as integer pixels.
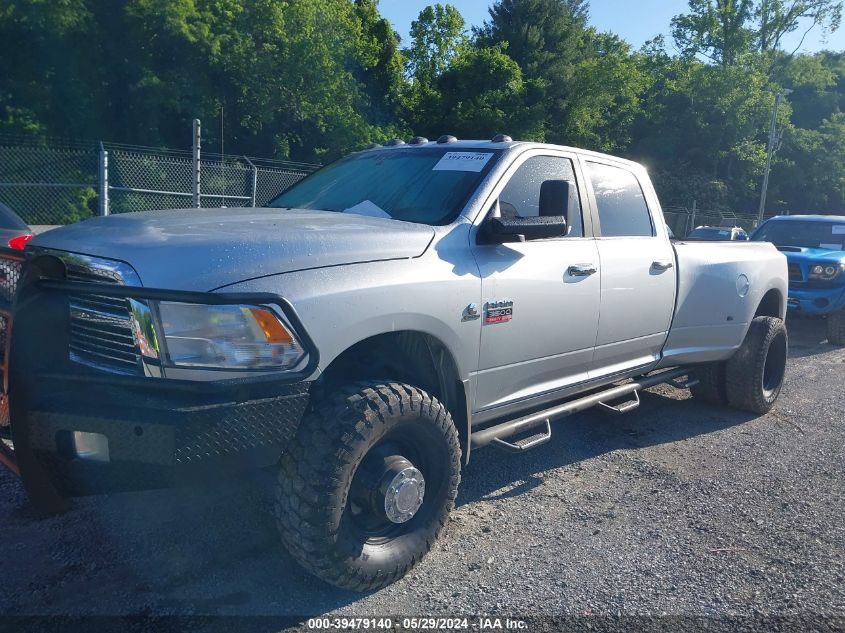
{"type": "Point", "coordinates": [540, 297]}
{"type": "Point", "coordinates": [637, 267]}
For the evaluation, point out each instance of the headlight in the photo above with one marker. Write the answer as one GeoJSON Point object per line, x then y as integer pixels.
{"type": "Point", "coordinates": [826, 272]}
{"type": "Point", "coordinates": [226, 337]}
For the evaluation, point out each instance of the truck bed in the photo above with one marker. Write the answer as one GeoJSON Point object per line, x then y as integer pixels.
{"type": "Point", "coordinates": [721, 286]}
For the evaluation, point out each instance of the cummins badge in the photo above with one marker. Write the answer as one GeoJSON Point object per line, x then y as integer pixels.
{"type": "Point", "coordinates": [498, 311]}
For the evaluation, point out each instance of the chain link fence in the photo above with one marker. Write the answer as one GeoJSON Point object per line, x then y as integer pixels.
{"type": "Point", "coordinates": [48, 185]}
{"type": "Point", "coordinates": [49, 182]}
{"type": "Point", "coordinates": [682, 219]}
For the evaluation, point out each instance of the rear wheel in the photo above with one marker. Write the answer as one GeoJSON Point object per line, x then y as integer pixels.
{"type": "Point", "coordinates": [368, 483]}
{"type": "Point", "coordinates": [754, 374]}
{"type": "Point", "coordinates": [711, 386]}
{"type": "Point", "coordinates": [836, 328]}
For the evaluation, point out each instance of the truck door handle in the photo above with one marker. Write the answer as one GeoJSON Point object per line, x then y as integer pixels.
{"type": "Point", "coordinates": [581, 270]}
{"type": "Point", "coordinates": [662, 264]}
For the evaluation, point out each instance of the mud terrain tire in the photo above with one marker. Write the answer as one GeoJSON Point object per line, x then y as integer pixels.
{"type": "Point", "coordinates": [754, 374]}
{"type": "Point", "coordinates": [331, 476]}
{"type": "Point", "coordinates": [836, 328]}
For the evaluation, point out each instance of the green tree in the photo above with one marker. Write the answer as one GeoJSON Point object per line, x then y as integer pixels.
{"type": "Point", "coordinates": [716, 29]}
{"type": "Point", "coordinates": [809, 174]}
{"type": "Point", "coordinates": [728, 32]}
{"type": "Point", "coordinates": [542, 36]}
{"type": "Point", "coordinates": [777, 18]}
{"type": "Point", "coordinates": [381, 63]}
{"type": "Point", "coordinates": [584, 84]}
{"type": "Point", "coordinates": [438, 35]}
{"type": "Point", "coordinates": [483, 92]}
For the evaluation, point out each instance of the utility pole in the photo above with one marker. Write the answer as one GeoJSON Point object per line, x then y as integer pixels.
{"type": "Point", "coordinates": [195, 154]}
{"type": "Point", "coordinates": [769, 153]}
{"type": "Point", "coordinates": [694, 207]}
{"type": "Point", "coordinates": [103, 182]}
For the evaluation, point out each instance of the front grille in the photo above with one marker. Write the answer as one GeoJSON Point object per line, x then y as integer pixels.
{"type": "Point", "coordinates": [10, 274]}
{"type": "Point", "coordinates": [795, 272]}
{"type": "Point", "coordinates": [4, 338]}
{"type": "Point", "coordinates": [101, 332]}
{"type": "Point", "coordinates": [4, 400]}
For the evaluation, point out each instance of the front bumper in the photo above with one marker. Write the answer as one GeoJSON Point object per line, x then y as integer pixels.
{"type": "Point", "coordinates": [816, 301]}
{"type": "Point", "coordinates": [152, 437]}
{"type": "Point", "coordinates": [146, 431]}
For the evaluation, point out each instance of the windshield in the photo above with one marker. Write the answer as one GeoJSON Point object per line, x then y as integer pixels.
{"type": "Point", "coordinates": [424, 185]}
{"type": "Point", "coordinates": [824, 235]}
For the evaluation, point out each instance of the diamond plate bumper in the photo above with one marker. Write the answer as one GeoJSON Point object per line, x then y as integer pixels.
{"type": "Point", "coordinates": [152, 441]}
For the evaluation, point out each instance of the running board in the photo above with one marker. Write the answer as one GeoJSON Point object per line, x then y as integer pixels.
{"type": "Point", "coordinates": [497, 434]}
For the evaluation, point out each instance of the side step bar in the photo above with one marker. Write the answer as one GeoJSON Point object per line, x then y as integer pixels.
{"type": "Point", "coordinates": [496, 434]}
{"type": "Point", "coordinates": [625, 407]}
{"type": "Point", "coordinates": [526, 444]}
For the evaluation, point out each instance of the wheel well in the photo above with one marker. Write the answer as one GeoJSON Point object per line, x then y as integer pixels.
{"type": "Point", "coordinates": [415, 358]}
{"type": "Point", "coordinates": [770, 304]}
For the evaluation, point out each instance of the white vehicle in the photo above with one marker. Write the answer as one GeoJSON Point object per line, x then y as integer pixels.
{"type": "Point", "coordinates": [379, 321]}
{"type": "Point", "coordinates": [718, 233]}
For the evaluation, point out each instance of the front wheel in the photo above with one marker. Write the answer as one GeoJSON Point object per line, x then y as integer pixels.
{"type": "Point", "coordinates": [754, 374]}
{"type": "Point", "coordinates": [368, 483]}
{"type": "Point", "coordinates": [836, 328]}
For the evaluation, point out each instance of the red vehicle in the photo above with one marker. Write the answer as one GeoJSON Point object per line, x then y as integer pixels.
{"type": "Point", "coordinates": [14, 233]}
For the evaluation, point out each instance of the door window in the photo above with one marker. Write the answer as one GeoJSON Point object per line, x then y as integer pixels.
{"type": "Point", "coordinates": [521, 196]}
{"type": "Point", "coordinates": [621, 204]}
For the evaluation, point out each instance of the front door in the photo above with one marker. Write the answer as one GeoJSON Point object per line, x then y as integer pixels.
{"type": "Point", "coordinates": [540, 297]}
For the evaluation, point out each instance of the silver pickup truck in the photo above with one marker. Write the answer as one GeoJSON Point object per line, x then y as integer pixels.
{"type": "Point", "coordinates": [372, 326]}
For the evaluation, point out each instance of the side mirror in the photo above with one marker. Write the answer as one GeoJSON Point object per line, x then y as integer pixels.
{"type": "Point", "coordinates": [532, 228]}
{"type": "Point", "coordinates": [557, 198]}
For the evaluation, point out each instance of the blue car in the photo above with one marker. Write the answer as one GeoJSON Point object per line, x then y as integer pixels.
{"type": "Point", "coordinates": [814, 246]}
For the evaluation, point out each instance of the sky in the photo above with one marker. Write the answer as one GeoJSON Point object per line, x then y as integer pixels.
{"type": "Point", "coordinates": [636, 21]}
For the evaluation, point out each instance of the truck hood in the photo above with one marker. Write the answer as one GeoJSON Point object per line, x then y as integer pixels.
{"type": "Point", "coordinates": [201, 250]}
{"type": "Point", "coordinates": [806, 255]}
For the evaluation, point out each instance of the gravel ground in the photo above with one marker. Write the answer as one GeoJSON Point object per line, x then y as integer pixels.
{"type": "Point", "coordinates": [678, 508]}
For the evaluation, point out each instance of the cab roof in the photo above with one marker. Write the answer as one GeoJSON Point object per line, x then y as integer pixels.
{"type": "Point", "coordinates": [490, 144]}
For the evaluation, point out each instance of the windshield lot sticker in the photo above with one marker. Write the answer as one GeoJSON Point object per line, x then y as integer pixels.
{"type": "Point", "coordinates": [838, 229]}
{"type": "Point", "coordinates": [500, 311]}
{"type": "Point", "coordinates": [462, 161]}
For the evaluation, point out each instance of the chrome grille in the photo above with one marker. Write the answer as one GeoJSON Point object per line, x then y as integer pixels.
{"type": "Point", "coordinates": [101, 332]}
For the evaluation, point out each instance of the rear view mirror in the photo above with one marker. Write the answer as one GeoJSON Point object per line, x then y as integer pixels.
{"type": "Point", "coordinates": [533, 228]}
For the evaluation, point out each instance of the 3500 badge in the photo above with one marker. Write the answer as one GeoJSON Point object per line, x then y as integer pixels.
{"type": "Point", "coordinates": [499, 311]}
